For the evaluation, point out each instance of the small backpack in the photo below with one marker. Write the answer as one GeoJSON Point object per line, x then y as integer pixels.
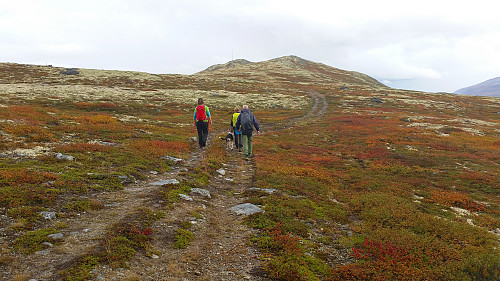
{"type": "Point", "coordinates": [200, 113]}
{"type": "Point", "coordinates": [246, 121]}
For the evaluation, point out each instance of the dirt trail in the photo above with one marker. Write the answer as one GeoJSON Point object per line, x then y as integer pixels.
{"type": "Point", "coordinates": [219, 251]}
{"type": "Point", "coordinates": [319, 108]}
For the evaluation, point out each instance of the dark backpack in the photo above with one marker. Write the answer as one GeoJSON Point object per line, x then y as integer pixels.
{"type": "Point", "coordinates": [200, 113]}
{"type": "Point", "coordinates": [246, 119]}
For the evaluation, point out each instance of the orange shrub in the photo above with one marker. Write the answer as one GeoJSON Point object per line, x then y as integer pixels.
{"type": "Point", "coordinates": [97, 119]}
{"type": "Point", "coordinates": [30, 132]}
{"type": "Point", "coordinates": [24, 176]}
{"type": "Point", "coordinates": [157, 148]}
{"type": "Point", "coordinates": [455, 199]}
{"type": "Point", "coordinates": [83, 147]}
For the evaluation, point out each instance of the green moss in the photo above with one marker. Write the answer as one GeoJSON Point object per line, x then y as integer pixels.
{"type": "Point", "coordinates": [81, 271]}
{"type": "Point", "coordinates": [170, 192]}
{"type": "Point", "coordinates": [31, 241]}
{"type": "Point", "coordinates": [26, 214]}
{"type": "Point", "coordinates": [183, 238]}
{"type": "Point", "coordinates": [119, 250]}
{"type": "Point", "coordinates": [84, 204]}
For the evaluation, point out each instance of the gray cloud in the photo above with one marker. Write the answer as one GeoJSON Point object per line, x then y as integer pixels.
{"type": "Point", "coordinates": [429, 45]}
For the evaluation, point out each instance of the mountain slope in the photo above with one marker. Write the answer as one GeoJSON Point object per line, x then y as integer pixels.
{"type": "Point", "coordinates": [356, 181]}
{"type": "Point", "coordinates": [290, 69]}
{"type": "Point", "coordinates": [489, 87]}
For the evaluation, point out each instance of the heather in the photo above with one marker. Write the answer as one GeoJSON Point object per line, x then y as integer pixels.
{"type": "Point", "coordinates": [357, 181]}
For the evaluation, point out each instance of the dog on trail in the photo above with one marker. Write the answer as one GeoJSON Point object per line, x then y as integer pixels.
{"type": "Point", "coordinates": [229, 138]}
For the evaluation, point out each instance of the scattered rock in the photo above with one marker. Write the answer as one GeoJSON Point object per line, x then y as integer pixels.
{"type": "Point", "coordinates": [48, 215]}
{"type": "Point", "coordinates": [202, 192]}
{"type": "Point", "coordinates": [155, 256]}
{"type": "Point", "coordinates": [61, 156]}
{"type": "Point", "coordinates": [460, 211]}
{"type": "Point", "coordinates": [164, 182]}
{"type": "Point", "coordinates": [173, 159]}
{"type": "Point", "coordinates": [344, 88]}
{"type": "Point", "coordinates": [126, 179]}
{"type": "Point", "coordinates": [221, 171]}
{"type": "Point", "coordinates": [246, 209]}
{"type": "Point", "coordinates": [56, 235]}
{"type": "Point", "coordinates": [185, 197]}
{"type": "Point", "coordinates": [266, 190]}
{"type": "Point", "coordinates": [377, 100]}
{"type": "Point", "coordinates": [48, 244]}
{"type": "Point", "coordinates": [105, 143]}
{"type": "Point", "coordinates": [70, 71]}
{"type": "Point", "coordinates": [43, 252]}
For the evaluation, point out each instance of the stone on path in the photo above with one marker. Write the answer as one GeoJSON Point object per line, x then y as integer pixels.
{"type": "Point", "coordinates": [173, 159]}
{"type": "Point", "coordinates": [221, 171]}
{"type": "Point", "coordinates": [266, 190]}
{"type": "Point", "coordinates": [56, 235]}
{"type": "Point", "coordinates": [48, 215]}
{"type": "Point", "coordinates": [201, 191]}
{"type": "Point", "coordinates": [61, 156]}
{"type": "Point", "coordinates": [246, 209]}
{"type": "Point", "coordinates": [185, 197]}
{"type": "Point", "coordinates": [164, 182]}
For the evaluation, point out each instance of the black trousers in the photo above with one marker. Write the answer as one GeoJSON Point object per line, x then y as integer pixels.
{"type": "Point", "coordinates": [202, 128]}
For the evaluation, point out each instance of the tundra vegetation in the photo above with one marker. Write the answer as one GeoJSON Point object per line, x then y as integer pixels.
{"type": "Point", "coordinates": [382, 184]}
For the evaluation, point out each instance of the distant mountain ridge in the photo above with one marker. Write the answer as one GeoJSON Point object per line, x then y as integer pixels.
{"type": "Point", "coordinates": [489, 87]}
{"type": "Point", "coordinates": [290, 69]}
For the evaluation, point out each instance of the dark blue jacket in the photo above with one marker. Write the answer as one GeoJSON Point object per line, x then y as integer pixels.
{"type": "Point", "coordinates": [255, 123]}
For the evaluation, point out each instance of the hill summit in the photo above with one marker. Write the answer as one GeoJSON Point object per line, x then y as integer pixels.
{"type": "Point", "coordinates": [489, 87]}
{"type": "Point", "coordinates": [291, 69]}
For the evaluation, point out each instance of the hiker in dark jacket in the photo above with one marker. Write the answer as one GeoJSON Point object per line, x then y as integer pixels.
{"type": "Point", "coordinates": [245, 123]}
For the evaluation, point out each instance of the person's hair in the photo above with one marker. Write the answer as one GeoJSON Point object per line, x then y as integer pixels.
{"type": "Point", "coordinates": [236, 109]}
{"type": "Point", "coordinates": [200, 101]}
{"type": "Point", "coordinates": [245, 106]}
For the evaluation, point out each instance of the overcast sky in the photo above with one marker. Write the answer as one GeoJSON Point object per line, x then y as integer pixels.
{"type": "Point", "coordinates": [435, 46]}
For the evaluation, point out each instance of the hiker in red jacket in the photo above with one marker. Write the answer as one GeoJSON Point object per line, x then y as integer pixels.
{"type": "Point", "coordinates": [202, 120]}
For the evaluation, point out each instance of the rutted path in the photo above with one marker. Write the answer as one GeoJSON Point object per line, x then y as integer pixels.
{"type": "Point", "coordinates": [219, 250]}
{"type": "Point", "coordinates": [319, 108]}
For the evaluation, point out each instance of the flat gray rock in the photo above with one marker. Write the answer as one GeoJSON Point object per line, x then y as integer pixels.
{"type": "Point", "coordinates": [221, 171]}
{"type": "Point", "coordinates": [56, 235]}
{"type": "Point", "coordinates": [48, 215]}
{"type": "Point", "coordinates": [173, 159]}
{"type": "Point", "coordinates": [185, 197]}
{"type": "Point", "coordinates": [201, 191]}
{"type": "Point", "coordinates": [70, 71]}
{"type": "Point", "coordinates": [266, 190]}
{"type": "Point", "coordinates": [164, 182]}
{"type": "Point", "coordinates": [61, 156]}
{"type": "Point", "coordinates": [246, 209]}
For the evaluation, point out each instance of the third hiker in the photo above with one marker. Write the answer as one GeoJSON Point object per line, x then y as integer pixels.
{"type": "Point", "coordinates": [245, 123]}
{"type": "Point", "coordinates": [237, 134]}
